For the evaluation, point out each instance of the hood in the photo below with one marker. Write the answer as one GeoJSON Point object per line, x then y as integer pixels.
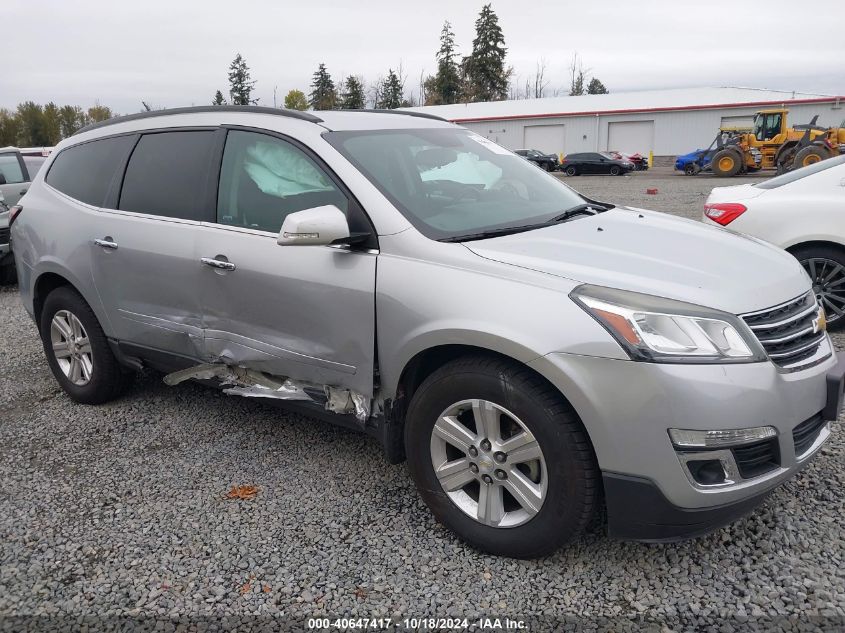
{"type": "Point", "coordinates": [657, 254]}
{"type": "Point", "coordinates": [734, 193]}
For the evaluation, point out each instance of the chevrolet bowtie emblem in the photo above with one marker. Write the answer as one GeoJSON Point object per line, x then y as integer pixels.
{"type": "Point", "coordinates": [820, 322]}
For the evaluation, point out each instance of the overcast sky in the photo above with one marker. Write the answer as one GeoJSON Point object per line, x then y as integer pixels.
{"type": "Point", "coordinates": [176, 52]}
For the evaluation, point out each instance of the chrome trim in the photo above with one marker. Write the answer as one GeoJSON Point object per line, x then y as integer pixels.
{"type": "Point", "coordinates": [798, 350]}
{"type": "Point", "coordinates": [777, 324]}
{"type": "Point", "coordinates": [216, 263]}
{"type": "Point", "coordinates": [106, 243]}
{"type": "Point", "coordinates": [777, 306]}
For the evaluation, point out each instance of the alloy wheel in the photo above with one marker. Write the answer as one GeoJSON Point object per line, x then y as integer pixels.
{"type": "Point", "coordinates": [828, 279]}
{"type": "Point", "coordinates": [489, 463]}
{"type": "Point", "coordinates": [72, 348]}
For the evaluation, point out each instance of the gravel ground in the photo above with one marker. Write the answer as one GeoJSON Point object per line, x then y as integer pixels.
{"type": "Point", "coordinates": [118, 513]}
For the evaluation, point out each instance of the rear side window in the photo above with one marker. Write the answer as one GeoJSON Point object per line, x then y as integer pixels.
{"type": "Point", "coordinates": [85, 171]}
{"type": "Point", "coordinates": [167, 175]}
{"type": "Point", "coordinates": [10, 169]}
{"type": "Point", "coordinates": [33, 164]}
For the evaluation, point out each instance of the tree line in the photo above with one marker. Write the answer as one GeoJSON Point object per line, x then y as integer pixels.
{"type": "Point", "coordinates": [482, 75]}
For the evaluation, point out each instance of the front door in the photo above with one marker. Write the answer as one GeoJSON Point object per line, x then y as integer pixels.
{"type": "Point", "coordinates": [305, 312]}
{"type": "Point", "coordinates": [144, 255]}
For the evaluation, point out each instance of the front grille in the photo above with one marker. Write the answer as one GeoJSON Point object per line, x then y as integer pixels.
{"type": "Point", "coordinates": [753, 460]}
{"type": "Point", "coordinates": [787, 331]}
{"type": "Point", "coordinates": [5, 232]}
{"type": "Point", "coordinates": [806, 433]}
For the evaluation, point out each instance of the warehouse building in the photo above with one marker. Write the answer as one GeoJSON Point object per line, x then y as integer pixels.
{"type": "Point", "coordinates": [666, 122]}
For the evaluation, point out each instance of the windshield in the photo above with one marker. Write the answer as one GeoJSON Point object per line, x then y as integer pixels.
{"type": "Point", "coordinates": [798, 174]}
{"type": "Point", "coordinates": [449, 182]}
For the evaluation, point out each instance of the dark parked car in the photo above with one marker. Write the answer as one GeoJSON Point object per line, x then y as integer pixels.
{"type": "Point", "coordinates": [595, 163]}
{"type": "Point", "coordinates": [549, 162]}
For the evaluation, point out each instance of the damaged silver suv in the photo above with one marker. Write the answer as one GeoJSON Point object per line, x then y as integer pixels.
{"type": "Point", "coordinates": [533, 353]}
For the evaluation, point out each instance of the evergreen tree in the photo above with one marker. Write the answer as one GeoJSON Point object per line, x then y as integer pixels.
{"type": "Point", "coordinates": [576, 87]}
{"type": "Point", "coordinates": [31, 131]}
{"type": "Point", "coordinates": [446, 87]}
{"type": "Point", "coordinates": [9, 128]}
{"type": "Point", "coordinates": [596, 87]}
{"type": "Point", "coordinates": [295, 100]}
{"type": "Point", "coordinates": [323, 95]}
{"type": "Point", "coordinates": [390, 91]}
{"type": "Point", "coordinates": [218, 99]}
{"type": "Point", "coordinates": [52, 124]}
{"type": "Point", "coordinates": [485, 67]}
{"type": "Point", "coordinates": [241, 83]}
{"type": "Point", "coordinates": [352, 97]}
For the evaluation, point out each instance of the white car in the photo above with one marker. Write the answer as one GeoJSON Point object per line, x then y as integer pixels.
{"type": "Point", "coordinates": [803, 212]}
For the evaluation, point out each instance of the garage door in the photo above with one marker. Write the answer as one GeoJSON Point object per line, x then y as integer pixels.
{"type": "Point", "coordinates": [550, 139]}
{"type": "Point", "coordinates": [734, 122]}
{"type": "Point", "coordinates": [631, 136]}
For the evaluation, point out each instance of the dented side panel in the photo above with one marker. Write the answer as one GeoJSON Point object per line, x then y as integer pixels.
{"type": "Point", "coordinates": [304, 312]}
{"type": "Point", "coordinates": [149, 283]}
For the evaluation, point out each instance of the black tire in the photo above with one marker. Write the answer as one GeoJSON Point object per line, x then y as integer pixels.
{"type": "Point", "coordinates": [571, 171]}
{"type": "Point", "coordinates": [615, 170]}
{"type": "Point", "coordinates": [814, 258]}
{"type": "Point", "coordinates": [690, 169]}
{"type": "Point", "coordinates": [108, 378]}
{"type": "Point", "coordinates": [726, 163]}
{"type": "Point", "coordinates": [573, 482]}
{"type": "Point", "coordinates": [8, 274]}
{"type": "Point", "coordinates": [810, 155]}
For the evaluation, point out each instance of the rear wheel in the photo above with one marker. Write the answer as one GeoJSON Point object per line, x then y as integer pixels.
{"type": "Point", "coordinates": [500, 458]}
{"type": "Point", "coordinates": [726, 163]}
{"type": "Point", "coordinates": [571, 171]}
{"type": "Point", "coordinates": [77, 349]}
{"type": "Point", "coordinates": [811, 155]}
{"type": "Point", "coordinates": [826, 267]}
{"type": "Point", "coordinates": [614, 170]}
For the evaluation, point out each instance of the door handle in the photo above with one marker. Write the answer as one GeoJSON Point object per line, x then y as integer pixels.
{"type": "Point", "coordinates": [23, 191]}
{"type": "Point", "coordinates": [217, 263]}
{"type": "Point", "coordinates": [106, 242]}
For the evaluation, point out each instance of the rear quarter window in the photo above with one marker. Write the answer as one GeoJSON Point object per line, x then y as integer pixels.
{"type": "Point", "coordinates": [84, 172]}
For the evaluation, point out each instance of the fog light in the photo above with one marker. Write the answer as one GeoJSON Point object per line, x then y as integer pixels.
{"type": "Point", "coordinates": [707, 472]}
{"type": "Point", "coordinates": [683, 438]}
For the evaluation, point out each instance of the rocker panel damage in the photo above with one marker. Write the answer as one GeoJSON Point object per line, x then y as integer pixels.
{"type": "Point", "coordinates": [251, 383]}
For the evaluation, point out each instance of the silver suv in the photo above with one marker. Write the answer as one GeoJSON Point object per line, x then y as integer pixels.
{"type": "Point", "coordinates": [534, 354]}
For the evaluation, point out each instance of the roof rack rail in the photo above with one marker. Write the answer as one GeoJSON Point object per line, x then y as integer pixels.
{"type": "Point", "coordinates": [421, 115]}
{"type": "Point", "coordinates": [294, 114]}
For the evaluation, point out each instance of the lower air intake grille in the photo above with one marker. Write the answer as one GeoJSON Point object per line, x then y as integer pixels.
{"type": "Point", "coordinates": [789, 332]}
{"type": "Point", "coordinates": [806, 433]}
{"type": "Point", "coordinates": [757, 459]}
{"type": "Point", "coordinates": [4, 235]}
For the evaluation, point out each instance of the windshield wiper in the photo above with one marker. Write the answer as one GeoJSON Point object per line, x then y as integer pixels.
{"type": "Point", "coordinates": [510, 230]}
{"type": "Point", "coordinates": [483, 235]}
{"type": "Point", "coordinates": [578, 209]}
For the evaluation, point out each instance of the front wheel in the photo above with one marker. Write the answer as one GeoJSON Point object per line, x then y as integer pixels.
{"type": "Point", "coordinates": [571, 171]}
{"type": "Point", "coordinates": [500, 457]}
{"type": "Point", "coordinates": [691, 169]}
{"type": "Point", "coordinates": [826, 267]}
{"type": "Point", "coordinates": [726, 163]}
{"type": "Point", "coordinates": [615, 171]}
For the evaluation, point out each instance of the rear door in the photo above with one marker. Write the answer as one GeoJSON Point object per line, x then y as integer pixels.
{"type": "Point", "coordinates": [307, 312]}
{"type": "Point", "coordinates": [144, 255]}
{"type": "Point", "coordinates": [13, 180]}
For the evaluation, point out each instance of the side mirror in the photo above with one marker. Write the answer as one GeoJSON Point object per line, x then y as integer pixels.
{"type": "Point", "coordinates": [319, 226]}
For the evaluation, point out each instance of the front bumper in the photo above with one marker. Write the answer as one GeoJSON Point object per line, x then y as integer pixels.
{"type": "Point", "coordinates": [627, 408]}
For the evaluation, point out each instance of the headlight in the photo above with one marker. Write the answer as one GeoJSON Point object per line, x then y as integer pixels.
{"type": "Point", "coordinates": [666, 331]}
